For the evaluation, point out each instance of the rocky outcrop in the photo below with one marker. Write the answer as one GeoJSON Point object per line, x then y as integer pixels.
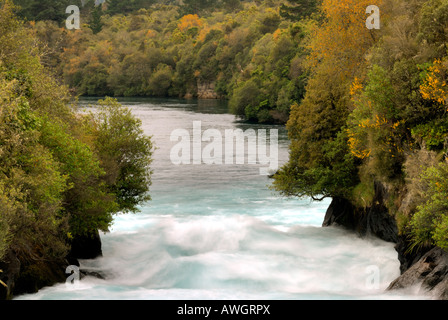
{"type": "Point", "coordinates": [429, 275]}
{"type": "Point", "coordinates": [29, 277]}
{"type": "Point", "coordinates": [424, 268]}
{"type": "Point", "coordinates": [408, 257]}
{"type": "Point", "coordinates": [206, 90]}
{"type": "Point", "coordinates": [85, 247]}
{"type": "Point", "coordinates": [374, 220]}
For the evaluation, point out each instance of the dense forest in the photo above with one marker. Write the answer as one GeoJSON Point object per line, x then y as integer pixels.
{"type": "Point", "coordinates": [248, 52]}
{"type": "Point", "coordinates": [362, 106]}
{"type": "Point", "coordinates": [63, 175]}
{"type": "Point", "coordinates": [375, 112]}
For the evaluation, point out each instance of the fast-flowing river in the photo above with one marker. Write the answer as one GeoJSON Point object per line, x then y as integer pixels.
{"type": "Point", "coordinates": [218, 231]}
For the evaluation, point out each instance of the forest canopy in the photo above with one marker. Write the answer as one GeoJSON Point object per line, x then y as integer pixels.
{"type": "Point", "coordinates": [200, 49]}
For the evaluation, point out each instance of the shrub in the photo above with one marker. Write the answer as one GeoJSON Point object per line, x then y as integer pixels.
{"type": "Point", "coordinates": [430, 222]}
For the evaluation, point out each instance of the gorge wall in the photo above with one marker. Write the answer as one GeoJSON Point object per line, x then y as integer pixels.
{"type": "Point", "coordinates": [425, 269]}
{"type": "Point", "coordinates": [21, 278]}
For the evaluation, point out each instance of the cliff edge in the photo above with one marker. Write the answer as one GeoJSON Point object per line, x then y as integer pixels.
{"type": "Point", "coordinates": [424, 269]}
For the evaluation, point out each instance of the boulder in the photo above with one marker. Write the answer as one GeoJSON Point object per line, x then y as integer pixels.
{"type": "Point", "coordinates": [85, 247]}
{"type": "Point", "coordinates": [429, 275]}
{"type": "Point", "coordinates": [374, 220]}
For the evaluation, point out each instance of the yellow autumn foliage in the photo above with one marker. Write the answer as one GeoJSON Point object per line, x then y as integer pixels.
{"type": "Point", "coordinates": [434, 87]}
{"type": "Point", "coordinates": [189, 21]}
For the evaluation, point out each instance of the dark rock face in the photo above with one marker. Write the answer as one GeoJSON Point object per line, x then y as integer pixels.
{"type": "Point", "coordinates": [374, 220]}
{"type": "Point", "coordinates": [11, 270]}
{"type": "Point", "coordinates": [38, 274]}
{"type": "Point", "coordinates": [85, 247]}
{"type": "Point", "coordinates": [429, 274]}
{"type": "Point", "coordinates": [425, 268]}
{"type": "Point", "coordinates": [408, 257]}
{"type": "Point", "coordinates": [29, 277]}
{"type": "Point", "coordinates": [340, 212]}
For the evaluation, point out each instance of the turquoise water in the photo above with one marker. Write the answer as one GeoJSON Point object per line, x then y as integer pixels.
{"type": "Point", "coordinates": [219, 232]}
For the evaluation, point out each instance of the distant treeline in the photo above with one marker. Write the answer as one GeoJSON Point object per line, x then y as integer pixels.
{"type": "Point", "coordinates": [251, 53]}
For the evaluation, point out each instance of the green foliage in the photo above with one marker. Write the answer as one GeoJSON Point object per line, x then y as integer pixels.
{"type": "Point", "coordinates": [434, 17]}
{"type": "Point", "coordinates": [430, 222]}
{"type": "Point", "coordinates": [197, 6]}
{"type": "Point", "coordinates": [95, 21]}
{"type": "Point", "coordinates": [125, 154]}
{"type": "Point", "coordinates": [375, 127]}
{"type": "Point", "coordinates": [125, 7]}
{"type": "Point", "coordinates": [62, 174]}
{"type": "Point", "coordinates": [298, 9]}
{"type": "Point", "coordinates": [333, 175]}
{"type": "Point", "coordinates": [161, 80]}
{"type": "Point", "coordinates": [34, 10]}
{"type": "Point", "coordinates": [31, 184]}
{"type": "Point", "coordinates": [161, 52]}
{"type": "Point", "coordinates": [433, 134]}
{"type": "Point", "coordinates": [87, 201]}
{"type": "Point", "coordinates": [363, 194]}
{"type": "Point", "coordinates": [246, 100]}
{"type": "Point", "coordinates": [6, 207]}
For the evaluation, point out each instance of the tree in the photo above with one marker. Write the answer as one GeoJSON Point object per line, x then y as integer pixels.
{"type": "Point", "coordinates": [430, 222]}
{"type": "Point", "coordinates": [160, 81]}
{"type": "Point", "coordinates": [298, 9]}
{"type": "Point", "coordinates": [95, 21]}
{"type": "Point", "coordinates": [125, 153]}
{"type": "Point", "coordinates": [320, 163]}
{"type": "Point", "coordinates": [189, 21]}
{"type": "Point", "coordinates": [126, 7]}
{"type": "Point", "coordinates": [246, 100]}
{"type": "Point", "coordinates": [37, 10]}
{"type": "Point", "coordinates": [197, 6]}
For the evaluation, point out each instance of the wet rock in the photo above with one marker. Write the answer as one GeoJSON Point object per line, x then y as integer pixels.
{"type": "Point", "coordinates": [429, 274]}
{"type": "Point", "coordinates": [85, 247]}
{"type": "Point", "coordinates": [374, 220]}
